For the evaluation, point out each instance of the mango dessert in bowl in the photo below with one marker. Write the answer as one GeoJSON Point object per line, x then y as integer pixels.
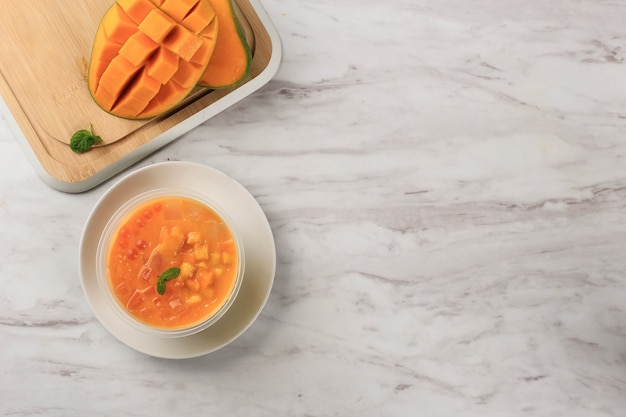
{"type": "Point", "coordinates": [170, 263]}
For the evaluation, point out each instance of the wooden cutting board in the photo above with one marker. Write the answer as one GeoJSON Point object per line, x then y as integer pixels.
{"type": "Point", "coordinates": [43, 62]}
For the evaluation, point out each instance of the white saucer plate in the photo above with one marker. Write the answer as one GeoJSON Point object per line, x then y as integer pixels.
{"type": "Point", "coordinates": [248, 219]}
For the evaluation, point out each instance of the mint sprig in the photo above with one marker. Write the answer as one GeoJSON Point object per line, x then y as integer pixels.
{"type": "Point", "coordinates": [167, 275]}
{"type": "Point", "coordinates": [82, 140]}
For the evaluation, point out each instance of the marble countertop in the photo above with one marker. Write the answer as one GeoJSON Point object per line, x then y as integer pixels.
{"type": "Point", "coordinates": [446, 185]}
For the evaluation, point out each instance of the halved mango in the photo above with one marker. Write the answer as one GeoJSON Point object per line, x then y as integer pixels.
{"type": "Point", "coordinates": [231, 59]}
{"type": "Point", "coordinates": [148, 55]}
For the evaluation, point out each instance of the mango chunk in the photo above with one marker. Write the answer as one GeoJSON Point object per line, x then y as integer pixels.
{"type": "Point", "coordinates": [137, 10]}
{"type": "Point", "coordinates": [107, 50]}
{"type": "Point", "coordinates": [157, 25]}
{"type": "Point", "coordinates": [137, 97]}
{"type": "Point", "coordinates": [118, 26]}
{"type": "Point", "coordinates": [199, 18]}
{"type": "Point", "coordinates": [163, 65]}
{"type": "Point", "coordinates": [104, 98]}
{"type": "Point", "coordinates": [187, 74]}
{"type": "Point", "coordinates": [204, 278]}
{"type": "Point", "coordinates": [193, 237]}
{"type": "Point", "coordinates": [178, 9]}
{"type": "Point", "coordinates": [182, 42]}
{"type": "Point", "coordinates": [194, 299]}
{"type": "Point", "coordinates": [117, 75]}
{"type": "Point", "coordinates": [167, 97]}
{"type": "Point", "coordinates": [205, 52]}
{"type": "Point", "coordinates": [201, 251]}
{"type": "Point", "coordinates": [138, 48]}
{"type": "Point", "coordinates": [192, 285]}
{"type": "Point", "coordinates": [186, 270]}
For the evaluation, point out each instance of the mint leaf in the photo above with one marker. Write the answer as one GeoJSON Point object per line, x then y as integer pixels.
{"type": "Point", "coordinates": [167, 275]}
{"type": "Point", "coordinates": [82, 140]}
{"type": "Point", "coordinates": [161, 287]}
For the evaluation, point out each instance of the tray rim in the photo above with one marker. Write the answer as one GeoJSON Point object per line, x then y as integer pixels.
{"type": "Point", "coordinates": [165, 137]}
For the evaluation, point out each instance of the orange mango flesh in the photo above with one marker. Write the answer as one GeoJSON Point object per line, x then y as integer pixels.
{"type": "Point", "coordinates": [118, 26]}
{"type": "Point", "coordinates": [231, 59]}
{"type": "Point", "coordinates": [157, 25]}
{"type": "Point", "coordinates": [172, 232]}
{"type": "Point", "coordinates": [178, 9]}
{"type": "Point", "coordinates": [142, 47]}
{"type": "Point", "coordinates": [164, 66]}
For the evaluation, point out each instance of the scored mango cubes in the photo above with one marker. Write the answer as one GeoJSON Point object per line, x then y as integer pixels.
{"type": "Point", "coordinates": [148, 55]}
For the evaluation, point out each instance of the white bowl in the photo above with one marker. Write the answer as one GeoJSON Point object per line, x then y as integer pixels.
{"type": "Point", "coordinates": [247, 218]}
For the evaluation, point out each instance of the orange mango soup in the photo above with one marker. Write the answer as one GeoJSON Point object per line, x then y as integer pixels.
{"type": "Point", "coordinates": [171, 232]}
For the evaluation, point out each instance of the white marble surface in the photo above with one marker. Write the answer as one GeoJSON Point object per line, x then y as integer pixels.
{"type": "Point", "coordinates": [446, 182]}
